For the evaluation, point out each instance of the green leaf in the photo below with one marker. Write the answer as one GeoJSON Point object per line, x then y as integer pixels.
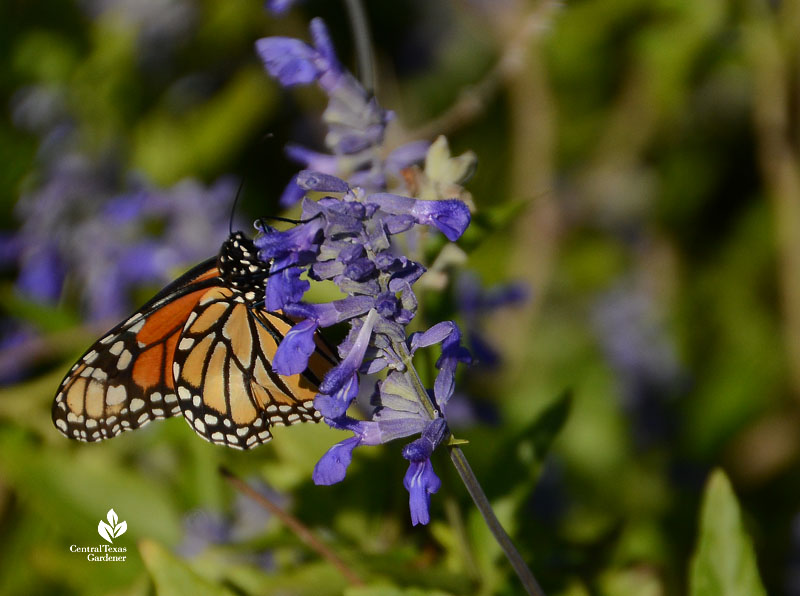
{"type": "Point", "coordinates": [724, 563]}
{"type": "Point", "coordinates": [171, 575]}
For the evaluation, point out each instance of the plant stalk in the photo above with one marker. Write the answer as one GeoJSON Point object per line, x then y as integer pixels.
{"type": "Point", "coordinates": [474, 489]}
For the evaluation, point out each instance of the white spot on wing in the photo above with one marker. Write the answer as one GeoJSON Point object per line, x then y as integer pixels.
{"type": "Point", "coordinates": [115, 395]}
{"type": "Point", "coordinates": [124, 360]}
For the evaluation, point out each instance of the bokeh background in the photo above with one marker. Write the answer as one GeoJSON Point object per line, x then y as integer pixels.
{"type": "Point", "coordinates": [639, 178]}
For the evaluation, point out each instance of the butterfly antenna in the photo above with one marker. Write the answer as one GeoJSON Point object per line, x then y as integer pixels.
{"type": "Point", "coordinates": [233, 207]}
{"type": "Point", "coordinates": [260, 220]}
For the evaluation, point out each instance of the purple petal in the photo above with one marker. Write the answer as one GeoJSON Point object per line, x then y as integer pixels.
{"type": "Point", "coordinates": [452, 353]}
{"type": "Point", "coordinates": [285, 287]}
{"type": "Point", "coordinates": [295, 349]}
{"type": "Point", "coordinates": [434, 335]}
{"type": "Point", "coordinates": [289, 60]}
{"type": "Point", "coordinates": [323, 44]}
{"type": "Point", "coordinates": [311, 180]}
{"type": "Point", "coordinates": [330, 313]}
{"type": "Point", "coordinates": [332, 467]}
{"type": "Point", "coordinates": [407, 155]}
{"type": "Point", "coordinates": [292, 194]}
{"type": "Point", "coordinates": [279, 7]}
{"type": "Point", "coordinates": [421, 482]}
{"type": "Point", "coordinates": [313, 160]}
{"type": "Point", "coordinates": [450, 216]}
{"type": "Point", "coordinates": [342, 373]}
{"type": "Point", "coordinates": [432, 435]}
{"type": "Point", "coordinates": [335, 405]}
{"type": "Point", "coordinates": [303, 240]}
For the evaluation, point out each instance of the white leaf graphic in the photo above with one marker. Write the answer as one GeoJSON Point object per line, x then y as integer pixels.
{"type": "Point", "coordinates": [105, 531]}
{"type": "Point", "coordinates": [112, 517]}
{"type": "Point", "coordinates": [120, 529]}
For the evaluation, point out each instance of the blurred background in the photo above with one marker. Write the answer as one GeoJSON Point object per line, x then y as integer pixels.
{"type": "Point", "coordinates": [632, 286]}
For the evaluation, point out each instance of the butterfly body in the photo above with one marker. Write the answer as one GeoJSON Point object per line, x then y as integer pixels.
{"type": "Point", "coordinates": [201, 348]}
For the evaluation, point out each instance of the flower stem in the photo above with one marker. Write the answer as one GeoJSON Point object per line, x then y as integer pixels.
{"type": "Point", "coordinates": [361, 35]}
{"type": "Point", "coordinates": [295, 525]}
{"type": "Point", "coordinates": [503, 539]}
{"type": "Point", "coordinates": [473, 486]}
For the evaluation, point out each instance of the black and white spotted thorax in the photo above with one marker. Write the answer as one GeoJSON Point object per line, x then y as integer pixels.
{"type": "Point", "coordinates": [244, 273]}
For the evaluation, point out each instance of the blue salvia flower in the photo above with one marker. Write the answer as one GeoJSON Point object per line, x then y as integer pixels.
{"type": "Point", "coordinates": [346, 237]}
{"type": "Point", "coordinates": [356, 122]}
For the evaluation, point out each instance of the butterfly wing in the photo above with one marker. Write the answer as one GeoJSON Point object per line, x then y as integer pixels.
{"type": "Point", "coordinates": [226, 387]}
{"type": "Point", "coordinates": [125, 379]}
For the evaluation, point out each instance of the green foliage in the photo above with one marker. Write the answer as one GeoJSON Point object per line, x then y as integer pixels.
{"type": "Point", "coordinates": [724, 562]}
{"type": "Point", "coordinates": [623, 175]}
{"type": "Point", "coordinates": [173, 576]}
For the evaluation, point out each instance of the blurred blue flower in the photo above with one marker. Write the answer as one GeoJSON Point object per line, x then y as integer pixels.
{"type": "Point", "coordinates": [474, 301]}
{"type": "Point", "coordinates": [641, 353]}
{"type": "Point", "coordinates": [79, 233]}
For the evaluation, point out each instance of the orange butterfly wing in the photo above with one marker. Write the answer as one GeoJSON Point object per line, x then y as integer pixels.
{"type": "Point", "coordinates": [227, 390]}
{"type": "Point", "coordinates": [125, 379]}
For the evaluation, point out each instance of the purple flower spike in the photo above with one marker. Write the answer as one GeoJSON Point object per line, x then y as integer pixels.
{"type": "Point", "coordinates": [289, 60]}
{"type": "Point", "coordinates": [421, 482]}
{"type": "Point", "coordinates": [332, 467]}
{"type": "Point", "coordinates": [295, 349]}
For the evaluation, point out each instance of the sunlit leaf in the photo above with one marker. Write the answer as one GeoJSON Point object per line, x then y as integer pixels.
{"type": "Point", "coordinates": [724, 563]}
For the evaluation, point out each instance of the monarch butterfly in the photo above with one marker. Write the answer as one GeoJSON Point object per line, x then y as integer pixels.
{"type": "Point", "coordinates": [202, 347]}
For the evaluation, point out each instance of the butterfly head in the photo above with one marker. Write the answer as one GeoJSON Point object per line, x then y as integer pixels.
{"type": "Point", "coordinates": [240, 266]}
